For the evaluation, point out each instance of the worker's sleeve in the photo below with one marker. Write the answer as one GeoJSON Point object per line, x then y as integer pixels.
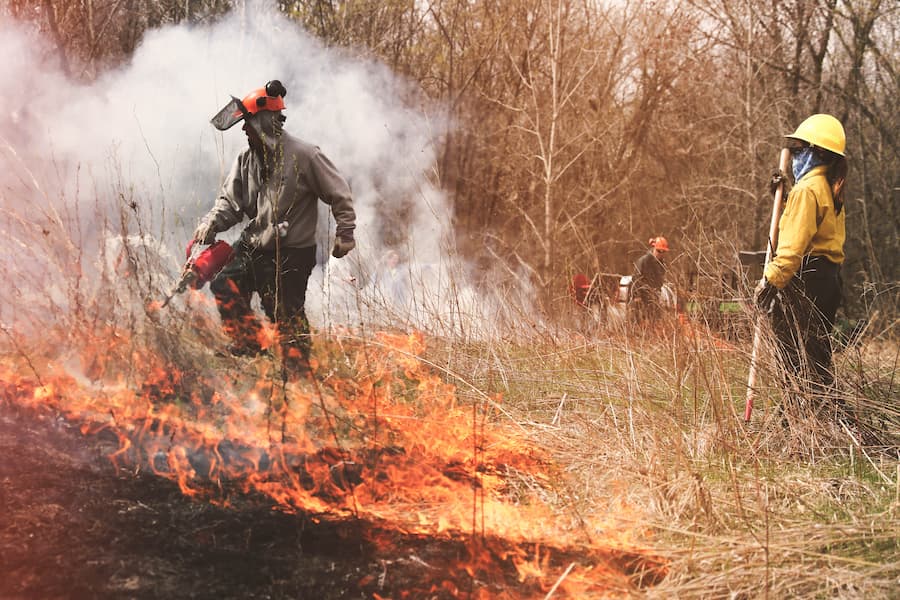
{"type": "Point", "coordinates": [331, 187]}
{"type": "Point", "coordinates": [795, 232]}
{"type": "Point", "coordinates": [229, 207]}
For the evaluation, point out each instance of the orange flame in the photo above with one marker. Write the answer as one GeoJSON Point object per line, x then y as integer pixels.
{"type": "Point", "coordinates": [382, 438]}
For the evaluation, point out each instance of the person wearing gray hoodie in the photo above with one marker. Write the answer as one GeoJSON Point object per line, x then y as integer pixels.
{"type": "Point", "coordinates": [276, 183]}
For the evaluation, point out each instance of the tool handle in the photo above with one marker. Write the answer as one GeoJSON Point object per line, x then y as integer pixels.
{"type": "Point", "coordinates": [784, 160]}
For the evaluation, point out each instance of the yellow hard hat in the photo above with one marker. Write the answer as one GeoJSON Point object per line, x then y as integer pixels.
{"type": "Point", "coordinates": [823, 131]}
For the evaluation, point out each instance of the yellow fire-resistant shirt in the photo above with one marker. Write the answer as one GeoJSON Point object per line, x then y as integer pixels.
{"type": "Point", "coordinates": [809, 225]}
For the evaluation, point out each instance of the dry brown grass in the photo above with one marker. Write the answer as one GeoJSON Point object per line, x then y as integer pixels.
{"type": "Point", "coordinates": [798, 503]}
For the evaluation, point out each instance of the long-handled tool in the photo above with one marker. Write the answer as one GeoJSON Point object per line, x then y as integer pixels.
{"type": "Point", "coordinates": [783, 163]}
{"type": "Point", "coordinates": [201, 268]}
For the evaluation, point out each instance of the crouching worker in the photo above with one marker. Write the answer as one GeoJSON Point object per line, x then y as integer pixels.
{"type": "Point", "coordinates": [276, 183]}
{"type": "Point", "coordinates": [801, 287]}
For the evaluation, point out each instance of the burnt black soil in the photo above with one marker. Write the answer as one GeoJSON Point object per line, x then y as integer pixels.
{"type": "Point", "coordinates": [74, 526]}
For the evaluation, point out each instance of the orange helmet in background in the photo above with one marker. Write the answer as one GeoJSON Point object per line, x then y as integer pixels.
{"type": "Point", "coordinates": [660, 243]}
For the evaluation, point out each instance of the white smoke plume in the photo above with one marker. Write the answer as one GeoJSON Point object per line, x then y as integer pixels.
{"type": "Point", "coordinates": [141, 134]}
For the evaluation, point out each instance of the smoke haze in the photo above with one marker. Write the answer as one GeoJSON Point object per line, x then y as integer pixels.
{"type": "Point", "coordinates": [141, 134]}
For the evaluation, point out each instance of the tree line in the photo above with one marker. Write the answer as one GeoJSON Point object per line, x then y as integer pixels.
{"type": "Point", "coordinates": [578, 129]}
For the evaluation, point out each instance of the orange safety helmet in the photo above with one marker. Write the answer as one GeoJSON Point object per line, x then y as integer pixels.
{"type": "Point", "coordinates": [265, 98]}
{"type": "Point", "coordinates": [660, 243]}
{"type": "Point", "coordinates": [269, 97]}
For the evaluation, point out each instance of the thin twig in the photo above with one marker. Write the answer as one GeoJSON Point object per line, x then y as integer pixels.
{"type": "Point", "coordinates": [22, 353]}
{"type": "Point", "coordinates": [559, 581]}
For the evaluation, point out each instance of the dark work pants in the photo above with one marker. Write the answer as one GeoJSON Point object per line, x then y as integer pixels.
{"type": "Point", "coordinates": [803, 317]}
{"type": "Point", "coordinates": [644, 307]}
{"type": "Point", "coordinates": [282, 297]}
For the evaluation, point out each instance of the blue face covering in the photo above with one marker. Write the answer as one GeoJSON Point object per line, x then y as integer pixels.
{"type": "Point", "coordinates": [803, 160]}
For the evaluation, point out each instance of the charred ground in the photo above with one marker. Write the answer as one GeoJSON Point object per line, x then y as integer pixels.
{"type": "Point", "coordinates": [73, 526]}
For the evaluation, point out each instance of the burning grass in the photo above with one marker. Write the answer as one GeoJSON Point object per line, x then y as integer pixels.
{"type": "Point", "coordinates": [594, 469]}
{"type": "Point", "coordinates": [378, 439]}
{"type": "Point", "coordinates": [560, 465]}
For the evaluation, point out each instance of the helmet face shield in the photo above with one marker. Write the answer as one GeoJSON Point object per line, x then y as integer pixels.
{"type": "Point", "coordinates": [267, 98]}
{"type": "Point", "coordinates": [231, 114]}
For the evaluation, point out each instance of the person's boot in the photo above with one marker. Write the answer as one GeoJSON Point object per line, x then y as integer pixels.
{"type": "Point", "coordinates": [296, 369]}
{"type": "Point", "coordinates": [244, 334]}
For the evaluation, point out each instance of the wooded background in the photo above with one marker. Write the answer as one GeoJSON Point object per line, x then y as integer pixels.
{"type": "Point", "coordinates": [577, 129]}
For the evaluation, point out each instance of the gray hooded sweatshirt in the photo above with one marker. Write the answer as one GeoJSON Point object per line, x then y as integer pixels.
{"type": "Point", "coordinates": [278, 193]}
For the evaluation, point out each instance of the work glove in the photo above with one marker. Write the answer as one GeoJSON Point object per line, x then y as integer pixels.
{"type": "Point", "coordinates": [205, 233]}
{"type": "Point", "coordinates": [764, 294]}
{"type": "Point", "coordinates": [343, 244]}
{"type": "Point", "coordinates": [777, 180]}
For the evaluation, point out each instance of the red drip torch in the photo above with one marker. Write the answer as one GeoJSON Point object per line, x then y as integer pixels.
{"type": "Point", "coordinates": [202, 268]}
